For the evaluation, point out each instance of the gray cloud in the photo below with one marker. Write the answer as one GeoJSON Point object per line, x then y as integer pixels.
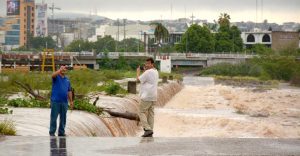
{"type": "Point", "coordinates": [140, 5]}
{"type": "Point", "coordinates": [285, 8]}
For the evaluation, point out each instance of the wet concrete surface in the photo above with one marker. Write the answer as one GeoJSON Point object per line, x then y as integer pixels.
{"type": "Point", "coordinates": [90, 146]}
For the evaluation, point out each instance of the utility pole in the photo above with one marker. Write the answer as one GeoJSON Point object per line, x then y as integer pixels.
{"type": "Point", "coordinates": [192, 17]}
{"type": "Point", "coordinates": [124, 21]}
{"type": "Point", "coordinates": [52, 8]}
{"type": "Point", "coordinates": [118, 35]}
{"type": "Point", "coordinates": [256, 14]}
{"type": "Point", "coordinates": [186, 42]}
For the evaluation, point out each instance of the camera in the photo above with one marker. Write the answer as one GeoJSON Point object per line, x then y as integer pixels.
{"type": "Point", "coordinates": [141, 67]}
{"type": "Point", "coordinates": [69, 68]}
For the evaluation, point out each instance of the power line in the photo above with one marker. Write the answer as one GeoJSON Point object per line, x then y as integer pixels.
{"type": "Point", "coordinates": [52, 8]}
{"type": "Point", "coordinates": [256, 15]}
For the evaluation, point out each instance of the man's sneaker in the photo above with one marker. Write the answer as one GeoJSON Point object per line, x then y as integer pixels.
{"type": "Point", "coordinates": [52, 134]}
{"type": "Point", "coordinates": [148, 133]}
{"type": "Point", "coordinates": [62, 135]}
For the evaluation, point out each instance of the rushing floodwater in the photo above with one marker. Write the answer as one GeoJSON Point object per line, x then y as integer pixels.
{"type": "Point", "coordinates": [200, 109]}
{"type": "Point", "coordinates": [203, 109]}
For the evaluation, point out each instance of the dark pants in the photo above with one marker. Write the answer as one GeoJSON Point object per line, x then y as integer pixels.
{"type": "Point", "coordinates": [61, 110]}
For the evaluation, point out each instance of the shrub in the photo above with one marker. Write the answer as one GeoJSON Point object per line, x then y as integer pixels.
{"type": "Point", "coordinates": [277, 67]}
{"type": "Point", "coordinates": [83, 104]}
{"type": "Point", "coordinates": [3, 101]}
{"type": "Point", "coordinates": [5, 111]}
{"type": "Point", "coordinates": [265, 67]}
{"type": "Point", "coordinates": [28, 103]}
{"type": "Point", "coordinates": [7, 127]}
{"type": "Point", "coordinates": [113, 88]}
{"type": "Point", "coordinates": [226, 69]}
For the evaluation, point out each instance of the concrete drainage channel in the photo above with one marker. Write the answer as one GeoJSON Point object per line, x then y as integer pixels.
{"type": "Point", "coordinates": [35, 121]}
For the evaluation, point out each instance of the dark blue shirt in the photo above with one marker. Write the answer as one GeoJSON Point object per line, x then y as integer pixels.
{"type": "Point", "coordinates": [60, 88]}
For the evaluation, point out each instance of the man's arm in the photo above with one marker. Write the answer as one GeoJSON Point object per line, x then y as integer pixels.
{"type": "Point", "coordinates": [138, 72]}
{"type": "Point", "coordinates": [58, 72]}
{"type": "Point", "coordinates": [70, 99]}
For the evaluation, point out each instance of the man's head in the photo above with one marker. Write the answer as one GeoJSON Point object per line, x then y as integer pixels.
{"type": "Point", "coordinates": [63, 69]}
{"type": "Point", "coordinates": [149, 63]}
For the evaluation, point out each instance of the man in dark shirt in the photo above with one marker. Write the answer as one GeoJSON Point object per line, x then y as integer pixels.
{"type": "Point", "coordinates": [61, 92]}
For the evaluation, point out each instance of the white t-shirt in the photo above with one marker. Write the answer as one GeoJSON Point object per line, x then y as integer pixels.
{"type": "Point", "coordinates": [149, 82]}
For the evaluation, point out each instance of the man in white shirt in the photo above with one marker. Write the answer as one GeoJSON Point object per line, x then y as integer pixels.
{"type": "Point", "coordinates": [148, 95]}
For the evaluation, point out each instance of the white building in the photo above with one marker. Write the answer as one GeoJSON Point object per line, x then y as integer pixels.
{"type": "Point", "coordinates": [131, 31]}
{"type": "Point", "coordinates": [41, 25]}
{"type": "Point", "coordinates": [259, 37]}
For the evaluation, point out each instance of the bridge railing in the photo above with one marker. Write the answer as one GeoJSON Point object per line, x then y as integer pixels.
{"type": "Point", "coordinates": [116, 55]}
{"type": "Point", "coordinates": [126, 54]}
{"type": "Point", "coordinates": [83, 53]}
{"type": "Point", "coordinates": [206, 55]}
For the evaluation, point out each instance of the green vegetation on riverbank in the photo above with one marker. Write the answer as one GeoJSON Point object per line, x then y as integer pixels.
{"type": "Point", "coordinates": [84, 81]}
{"type": "Point", "coordinates": [281, 66]}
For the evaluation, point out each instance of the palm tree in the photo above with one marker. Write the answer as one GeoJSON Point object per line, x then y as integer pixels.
{"type": "Point", "coordinates": [224, 19]}
{"type": "Point", "coordinates": [160, 32]}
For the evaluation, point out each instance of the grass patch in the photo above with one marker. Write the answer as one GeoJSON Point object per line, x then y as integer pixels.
{"type": "Point", "coordinates": [113, 88]}
{"type": "Point", "coordinates": [83, 104]}
{"type": "Point", "coordinates": [32, 103]}
{"type": "Point", "coordinates": [5, 111]}
{"type": "Point", "coordinates": [83, 81]}
{"type": "Point", "coordinates": [7, 127]}
{"type": "Point", "coordinates": [3, 101]}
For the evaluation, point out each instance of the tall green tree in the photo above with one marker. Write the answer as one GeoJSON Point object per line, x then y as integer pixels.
{"type": "Point", "coordinates": [224, 19]}
{"type": "Point", "coordinates": [105, 44]}
{"type": "Point", "coordinates": [160, 32]}
{"type": "Point", "coordinates": [197, 39]}
{"type": "Point", "coordinates": [40, 43]}
{"type": "Point", "coordinates": [238, 44]}
{"type": "Point", "coordinates": [131, 45]}
{"type": "Point", "coordinates": [228, 38]}
{"type": "Point", "coordinates": [79, 45]}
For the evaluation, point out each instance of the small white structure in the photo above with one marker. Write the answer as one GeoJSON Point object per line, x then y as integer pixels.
{"type": "Point", "coordinates": [165, 63]}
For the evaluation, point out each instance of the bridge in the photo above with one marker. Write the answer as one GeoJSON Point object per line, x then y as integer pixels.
{"type": "Point", "coordinates": [33, 60]}
{"type": "Point", "coordinates": [183, 59]}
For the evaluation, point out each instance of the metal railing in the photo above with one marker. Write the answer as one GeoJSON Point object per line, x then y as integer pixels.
{"type": "Point", "coordinates": [176, 55]}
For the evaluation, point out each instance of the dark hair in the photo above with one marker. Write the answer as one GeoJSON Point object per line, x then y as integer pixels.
{"type": "Point", "coordinates": [151, 60]}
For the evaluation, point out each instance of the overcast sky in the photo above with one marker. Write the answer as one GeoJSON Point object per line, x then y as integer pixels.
{"type": "Point", "coordinates": [278, 11]}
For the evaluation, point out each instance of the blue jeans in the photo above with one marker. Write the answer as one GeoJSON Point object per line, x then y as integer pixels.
{"type": "Point", "coordinates": [61, 110]}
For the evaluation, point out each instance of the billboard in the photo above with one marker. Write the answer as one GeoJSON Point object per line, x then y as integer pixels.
{"type": "Point", "coordinates": [41, 26]}
{"type": "Point", "coordinates": [13, 7]}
